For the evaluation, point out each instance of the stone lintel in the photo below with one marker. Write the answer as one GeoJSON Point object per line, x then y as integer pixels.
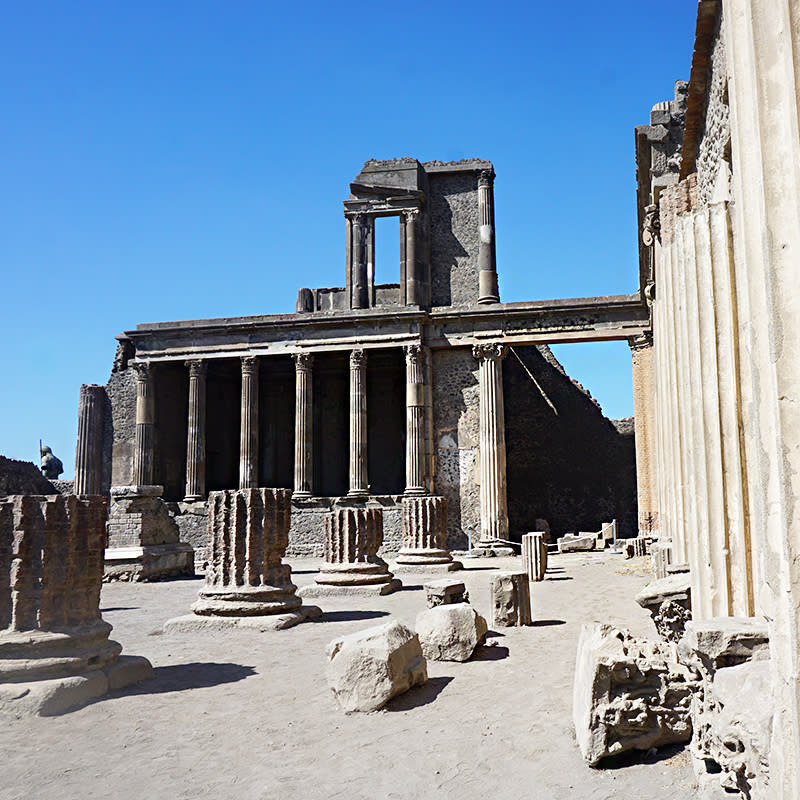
{"type": "Point", "coordinates": [118, 492]}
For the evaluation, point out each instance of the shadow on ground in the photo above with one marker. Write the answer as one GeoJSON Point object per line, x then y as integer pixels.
{"type": "Point", "coordinates": [347, 616]}
{"type": "Point", "coordinates": [634, 757]}
{"type": "Point", "coordinates": [418, 696]}
{"type": "Point", "coordinates": [545, 623]}
{"type": "Point", "coordinates": [194, 675]}
{"type": "Point", "coordinates": [118, 608]}
{"type": "Point", "coordinates": [490, 653]}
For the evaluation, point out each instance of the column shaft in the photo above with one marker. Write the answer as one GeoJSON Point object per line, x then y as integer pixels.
{"type": "Point", "coordinates": [303, 425]}
{"type": "Point", "coordinates": [248, 439]}
{"type": "Point", "coordinates": [143, 436]}
{"type": "Point", "coordinates": [196, 437]}
{"type": "Point", "coordinates": [415, 420]}
{"type": "Point", "coordinates": [89, 450]}
{"type": "Point", "coordinates": [487, 274]}
{"type": "Point", "coordinates": [413, 287]}
{"type": "Point", "coordinates": [359, 485]}
{"type": "Point", "coordinates": [644, 410]}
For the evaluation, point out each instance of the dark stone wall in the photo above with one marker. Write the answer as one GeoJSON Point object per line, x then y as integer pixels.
{"type": "Point", "coordinates": [567, 463]}
{"type": "Point", "coordinates": [223, 409]}
{"type": "Point", "coordinates": [331, 424]}
{"type": "Point", "coordinates": [120, 422]}
{"type": "Point", "coordinates": [386, 421]}
{"type": "Point", "coordinates": [276, 400]}
{"type": "Point", "coordinates": [454, 238]}
{"type": "Point", "coordinates": [23, 477]}
{"type": "Point", "coordinates": [171, 402]}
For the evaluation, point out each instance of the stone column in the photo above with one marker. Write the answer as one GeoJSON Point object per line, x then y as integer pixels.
{"type": "Point", "coordinates": [89, 451]}
{"type": "Point", "coordinates": [54, 645]}
{"type": "Point", "coordinates": [143, 437]}
{"type": "Point", "coordinates": [413, 283]}
{"type": "Point", "coordinates": [359, 486]}
{"type": "Point", "coordinates": [248, 439]}
{"type": "Point", "coordinates": [196, 437]}
{"type": "Point", "coordinates": [494, 507]}
{"type": "Point", "coordinates": [487, 275]}
{"type": "Point", "coordinates": [353, 537]}
{"type": "Point", "coordinates": [425, 536]}
{"type": "Point", "coordinates": [360, 235]}
{"type": "Point", "coordinates": [415, 420]}
{"type": "Point", "coordinates": [303, 425]}
{"type": "Point", "coordinates": [644, 416]}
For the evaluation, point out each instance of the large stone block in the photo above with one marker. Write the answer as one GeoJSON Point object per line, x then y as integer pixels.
{"type": "Point", "coordinates": [628, 694]}
{"type": "Point", "coordinates": [577, 543]}
{"type": "Point", "coordinates": [445, 591]}
{"type": "Point", "coordinates": [55, 653]}
{"type": "Point", "coordinates": [511, 599]}
{"type": "Point", "coordinates": [450, 632]}
{"type": "Point", "coordinates": [368, 668]}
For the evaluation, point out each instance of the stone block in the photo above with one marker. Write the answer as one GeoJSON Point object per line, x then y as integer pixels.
{"type": "Point", "coordinates": [628, 694]}
{"type": "Point", "coordinates": [366, 669]}
{"type": "Point", "coordinates": [511, 599]}
{"type": "Point", "coordinates": [577, 542]}
{"type": "Point", "coordinates": [534, 556]}
{"type": "Point", "coordinates": [445, 591]}
{"type": "Point", "coordinates": [450, 632]}
{"type": "Point", "coordinates": [669, 601]}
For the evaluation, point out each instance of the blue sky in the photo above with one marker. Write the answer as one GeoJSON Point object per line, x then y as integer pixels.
{"type": "Point", "coordinates": [178, 160]}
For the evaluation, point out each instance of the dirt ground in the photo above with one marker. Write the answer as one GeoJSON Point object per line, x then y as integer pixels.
{"type": "Point", "coordinates": [248, 715]}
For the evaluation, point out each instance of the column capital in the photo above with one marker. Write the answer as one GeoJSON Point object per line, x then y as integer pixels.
{"type": "Point", "coordinates": [641, 341]}
{"type": "Point", "coordinates": [303, 361]}
{"type": "Point", "coordinates": [410, 214]}
{"type": "Point", "coordinates": [197, 367]}
{"type": "Point", "coordinates": [495, 351]}
{"type": "Point", "coordinates": [249, 365]}
{"type": "Point", "coordinates": [358, 358]}
{"type": "Point", "coordinates": [651, 227]}
{"type": "Point", "coordinates": [143, 370]}
{"type": "Point", "coordinates": [486, 178]}
{"type": "Point", "coordinates": [415, 353]}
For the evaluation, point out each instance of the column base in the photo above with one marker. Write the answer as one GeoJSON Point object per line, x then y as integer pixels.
{"type": "Point", "coordinates": [301, 495]}
{"type": "Point", "coordinates": [192, 623]}
{"type": "Point", "coordinates": [415, 491]}
{"type": "Point", "coordinates": [148, 562]}
{"type": "Point", "coordinates": [358, 494]}
{"type": "Point", "coordinates": [493, 547]}
{"type": "Point", "coordinates": [194, 498]}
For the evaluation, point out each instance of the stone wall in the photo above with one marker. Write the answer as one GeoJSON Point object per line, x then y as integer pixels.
{"type": "Point", "coordinates": [120, 427]}
{"type": "Point", "coordinates": [23, 477]}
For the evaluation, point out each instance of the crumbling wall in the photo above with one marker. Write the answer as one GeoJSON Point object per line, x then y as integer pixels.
{"type": "Point", "coordinates": [23, 477]}
{"type": "Point", "coordinates": [120, 427]}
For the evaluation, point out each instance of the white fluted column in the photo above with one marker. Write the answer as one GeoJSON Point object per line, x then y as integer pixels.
{"type": "Point", "coordinates": [143, 436]}
{"type": "Point", "coordinates": [359, 485]}
{"type": "Point", "coordinates": [248, 438]}
{"type": "Point", "coordinates": [303, 425]}
{"type": "Point", "coordinates": [415, 420]}
{"type": "Point", "coordinates": [196, 433]}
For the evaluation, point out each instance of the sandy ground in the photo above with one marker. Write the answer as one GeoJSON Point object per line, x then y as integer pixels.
{"type": "Point", "coordinates": [249, 715]}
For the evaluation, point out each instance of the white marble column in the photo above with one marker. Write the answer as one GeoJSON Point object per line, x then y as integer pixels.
{"type": "Point", "coordinates": [143, 436]}
{"type": "Point", "coordinates": [359, 485]}
{"type": "Point", "coordinates": [494, 504]}
{"type": "Point", "coordinates": [303, 425]}
{"type": "Point", "coordinates": [196, 434]}
{"type": "Point", "coordinates": [248, 438]}
{"type": "Point", "coordinates": [415, 420]}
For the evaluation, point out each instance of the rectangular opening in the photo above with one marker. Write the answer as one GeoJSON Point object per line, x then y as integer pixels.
{"type": "Point", "coordinates": [387, 250]}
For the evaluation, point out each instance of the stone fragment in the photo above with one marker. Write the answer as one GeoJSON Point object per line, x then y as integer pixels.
{"type": "Point", "coordinates": [607, 534]}
{"type": "Point", "coordinates": [669, 601]}
{"type": "Point", "coordinates": [661, 553]}
{"type": "Point", "coordinates": [511, 599]}
{"type": "Point", "coordinates": [352, 565]}
{"type": "Point", "coordinates": [247, 584]}
{"type": "Point", "coordinates": [576, 542]}
{"type": "Point", "coordinates": [368, 668]}
{"type": "Point", "coordinates": [635, 547]}
{"type": "Point", "coordinates": [534, 556]}
{"type": "Point", "coordinates": [445, 591]}
{"type": "Point", "coordinates": [628, 694]}
{"type": "Point", "coordinates": [55, 653]}
{"type": "Point", "coordinates": [450, 632]}
{"type": "Point", "coordinates": [425, 536]}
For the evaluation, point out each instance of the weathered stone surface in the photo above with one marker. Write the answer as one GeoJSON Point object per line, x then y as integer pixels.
{"type": "Point", "coordinates": [628, 694]}
{"type": "Point", "coordinates": [634, 547]}
{"type": "Point", "coordinates": [669, 601]}
{"type": "Point", "coordinates": [661, 553]}
{"type": "Point", "coordinates": [450, 632]}
{"type": "Point", "coordinates": [55, 653]}
{"type": "Point", "coordinates": [425, 536]}
{"type": "Point", "coordinates": [22, 477]}
{"type": "Point", "coordinates": [368, 668]}
{"type": "Point", "coordinates": [577, 542]}
{"type": "Point", "coordinates": [534, 555]}
{"type": "Point", "coordinates": [445, 591]}
{"type": "Point", "coordinates": [511, 599]}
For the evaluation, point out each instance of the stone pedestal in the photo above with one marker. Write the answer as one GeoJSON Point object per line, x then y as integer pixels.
{"type": "Point", "coordinates": [511, 599]}
{"type": "Point", "coordinates": [143, 539]}
{"type": "Point", "coordinates": [352, 566]}
{"type": "Point", "coordinates": [425, 537]}
{"type": "Point", "coordinates": [247, 584]}
{"type": "Point", "coordinates": [55, 653]}
{"type": "Point", "coordinates": [534, 556]}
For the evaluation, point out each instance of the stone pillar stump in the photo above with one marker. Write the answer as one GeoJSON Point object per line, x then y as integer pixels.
{"type": "Point", "coordinates": [534, 555]}
{"type": "Point", "coordinates": [247, 584]}
{"type": "Point", "coordinates": [55, 653]}
{"type": "Point", "coordinates": [425, 537]}
{"type": "Point", "coordinates": [89, 450]}
{"type": "Point", "coordinates": [511, 599]}
{"type": "Point", "coordinates": [353, 536]}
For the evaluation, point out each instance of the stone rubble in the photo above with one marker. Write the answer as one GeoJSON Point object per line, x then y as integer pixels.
{"type": "Point", "coordinates": [444, 591]}
{"type": "Point", "coordinates": [577, 542]}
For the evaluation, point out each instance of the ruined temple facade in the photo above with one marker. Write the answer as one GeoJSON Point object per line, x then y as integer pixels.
{"type": "Point", "coordinates": [369, 392]}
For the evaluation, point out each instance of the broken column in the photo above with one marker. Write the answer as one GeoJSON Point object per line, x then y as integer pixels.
{"type": "Point", "coordinates": [534, 556]}
{"type": "Point", "coordinates": [352, 565]}
{"type": "Point", "coordinates": [425, 536]}
{"type": "Point", "coordinates": [89, 450]}
{"type": "Point", "coordinates": [511, 599]}
{"type": "Point", "coordinates": [247, 584]}
{"type": "Point", "coordinates": [55, 653]}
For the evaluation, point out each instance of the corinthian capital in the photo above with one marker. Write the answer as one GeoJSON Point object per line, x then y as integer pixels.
{"type": "Point", "coordinates": [492, 350]}
{"type": "Point", "coordinates": [415, 353]}
{"type": "Point", "coordinates": [358, 358]}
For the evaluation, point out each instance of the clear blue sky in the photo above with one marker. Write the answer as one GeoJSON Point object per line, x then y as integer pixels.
{"type": "Point", "coordinates": [176, 160]}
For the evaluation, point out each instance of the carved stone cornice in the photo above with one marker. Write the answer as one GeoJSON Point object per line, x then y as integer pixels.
{"type": "Point", "coordinates": [303, 361]}
{"type": "Point", "coordinates": [491, 350]}
{"type": "Point", "coordinates": [197, 367]}
{"type": "Point", "coordinates": [358, 359]}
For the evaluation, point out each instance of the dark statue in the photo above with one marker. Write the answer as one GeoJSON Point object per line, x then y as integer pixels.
{"type": "Point", "coordinates": [51, 466]}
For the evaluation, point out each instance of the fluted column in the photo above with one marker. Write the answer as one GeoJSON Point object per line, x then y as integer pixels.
{"type": "Point", "coordinates": [487, 275]}
{"type": "Point", "coordinates": [196, 436]}
{"type": "Point", "coordinates": [359, 237]}
{"type": "Point", "coordinates": [494, 506]}
{"type": "Point", "coordinates": [248, 439]}
{"type": "Point", "coordinates": [359, 485]}
{"type": "Point", "coordinates": [303, 425]}
{"type": "Point", "coordinates": [89, 450]}
{"type": "Point", "coordinates": [413, 283]}
{"type": "Point", "coordinates": [143, 436]}
{"type": "Point", "coordinates": [415, 420]}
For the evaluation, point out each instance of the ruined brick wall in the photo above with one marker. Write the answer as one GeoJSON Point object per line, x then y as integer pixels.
{"type": "Point", "coordinates": [456, 439]}
{"type": "Point", "coordinates": [713, 145]}
{"type": "Point", "coordinates": [23, 477]}
{"type": "Point", "coordinates": [120, 422]}
{"type": "Point", "coordinates": [567, 463]}
{"type": "Point", "coordinates": [454, 238]}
